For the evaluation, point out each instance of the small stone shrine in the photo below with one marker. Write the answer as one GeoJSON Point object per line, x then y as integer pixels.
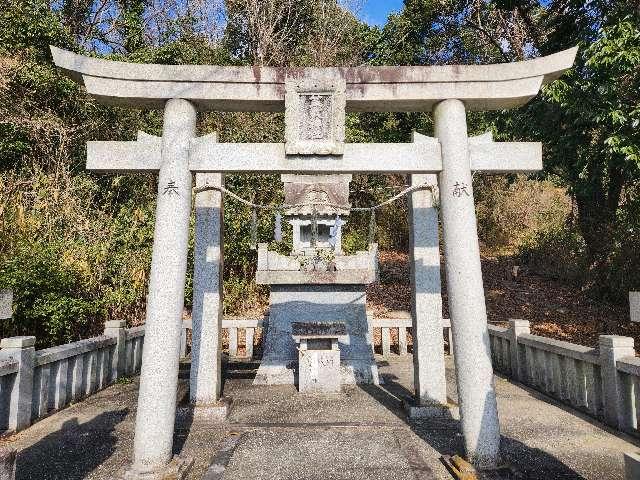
{"type": "Point", "coordinates": [318, 355]}
{"type": "Point", "coordinates": [317, 282]}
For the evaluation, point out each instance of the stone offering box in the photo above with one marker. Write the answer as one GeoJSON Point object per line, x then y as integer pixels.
{"type": "Point", "coordinates": [318, 355]}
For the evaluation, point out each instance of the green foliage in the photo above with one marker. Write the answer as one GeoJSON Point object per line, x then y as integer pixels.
{"type": "Point", "coordinates": [589, 123]}
{"type": "Point", "coordinates": [30, 25]}
{"type": "Point", "coordinates": [50, 298]}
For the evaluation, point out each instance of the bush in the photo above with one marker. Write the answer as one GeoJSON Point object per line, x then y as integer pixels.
{"type": "Point", "coordinates": [50, 298]}
{"type": "Point", "coordinates": [513, 211]}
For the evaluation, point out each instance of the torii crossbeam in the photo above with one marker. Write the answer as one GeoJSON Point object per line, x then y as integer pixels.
{"type": "Point", "coordinates": [315, 101]}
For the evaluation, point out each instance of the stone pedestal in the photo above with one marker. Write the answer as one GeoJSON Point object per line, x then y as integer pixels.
{"type": "Point", "coordinates": [416, 411]}
{"type": "Point", "coordinates": [317, 303]}
{"type": "Point", "coordinates": [177, 469]}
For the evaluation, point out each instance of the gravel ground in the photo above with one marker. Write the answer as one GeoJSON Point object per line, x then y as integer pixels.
{"type": "Point", "coordinates": [283, 435]}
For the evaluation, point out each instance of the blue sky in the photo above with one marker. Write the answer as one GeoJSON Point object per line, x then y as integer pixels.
{"type": "Point", "coordinates": [375, 12]}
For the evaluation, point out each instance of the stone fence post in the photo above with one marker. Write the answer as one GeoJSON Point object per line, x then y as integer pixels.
{"type": "Point", "coordinates": [116, 329]}
{"type": "Point", "coordinates": [612, 349]}
{"type": "Point", "coordinates": [23, 350]}
{"type": "Point", "coordinates": [518, 360]}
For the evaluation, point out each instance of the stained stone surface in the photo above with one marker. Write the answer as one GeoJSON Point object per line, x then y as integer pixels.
{"type": "Point", "coordinates": [368, 88]}
{"type": "Point", "coordinates": [319, 371]}
{"type": "Point", "coordinates": [206, 344]}
{"type": "Point", "coordinates": [317, 303]}
{"type": "Point", "coordinates": [314, 114]}
{"type": "Point", "coordinates": [424, 249]}
{"type": "Point", "coordinates": [327, 454]}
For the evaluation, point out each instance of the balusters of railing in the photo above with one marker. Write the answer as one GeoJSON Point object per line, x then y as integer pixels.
{"type": "Point", "coordinates": [137, 354]}
{"type": "Point", "coordinates": [549, 373]}
{"type": "Point", "coordinates": [402, 341]}
{"type": "Point", "coordinates": [593, 387]}
{"type": "Point", "coordinates": [556, 371]}
{"type": "Point", "coordinates": [505, 352]}
{"type": "Point", "coordinates": [562, 378]}
{"type": "Point", "coordinates": [76, 377]}
{"type": "Point", "coordinates": [628, 413]}
{"type": "Point", "coordinates": [60, 379]}
{"type": "Point", "coordinates": [92, 367]}
{"type": "Point", "coordinates": [386, 341]}
{"type": "Point", "coordinates": [41, 391]}
{"type": "Point", "coordinates": [582, 384]}
{"type": "Point", "coordinates": [517, 353]}
{"type": "Point", "coordinates": [248, 342]}
{"type": "Point", "coordinates": [233, 341]}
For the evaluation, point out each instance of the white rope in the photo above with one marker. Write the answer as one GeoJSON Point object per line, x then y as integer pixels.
{"type": "Point", "coordinates": [284, 206]}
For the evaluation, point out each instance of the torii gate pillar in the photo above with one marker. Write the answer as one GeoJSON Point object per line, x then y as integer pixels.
{"type": "Point", "coordinates": [467, 309]}
{"type": "Point", "coordinates": [155, 416]}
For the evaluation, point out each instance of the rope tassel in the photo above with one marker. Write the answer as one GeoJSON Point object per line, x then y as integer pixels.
{"type": "Point", "coordinates": [254, 229]}
{"type": "Point", "coordinates": [335, 231]}
{"type": "Point", "coordinates": [314, 227]}
{"type": "Point", "coordinates": [372, 227]}
{"type": "Point", "coordinates": [277, 234]}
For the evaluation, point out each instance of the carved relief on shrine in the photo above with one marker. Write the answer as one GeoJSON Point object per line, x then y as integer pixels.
{"type": "Point", "coordinates": [314, 115]}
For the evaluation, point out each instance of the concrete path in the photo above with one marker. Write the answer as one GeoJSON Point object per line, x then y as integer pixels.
{"type": "Point", "coordinates": [275, 433]}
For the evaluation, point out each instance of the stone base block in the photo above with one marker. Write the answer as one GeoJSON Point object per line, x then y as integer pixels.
{"type": "Point", "coordinates": [285, 372]}
{"type": "Point", "coordinates": [217, 412]}
{"type": "Point", "coordinates": [289, 304]}
{"type": "Point", "coordinates": [7, 464]}
{"type": "Point", "coordinates": [632, 466]}
{"type": "Point", "coordinates": [460, 468]}
{"type": "Point", "coordinates": [176, 469]}
{"type": "Point", "coordinates": [434, 410]}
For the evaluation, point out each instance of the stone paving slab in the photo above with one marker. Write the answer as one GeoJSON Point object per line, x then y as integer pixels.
{"type": "Point", "coordinates": [287, 435]}
{"type": "Point", "coordinates": [318, 455]}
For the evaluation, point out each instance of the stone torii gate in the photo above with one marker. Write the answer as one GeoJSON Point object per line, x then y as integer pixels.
{"type": "Point", "coordinates": [316, 100]}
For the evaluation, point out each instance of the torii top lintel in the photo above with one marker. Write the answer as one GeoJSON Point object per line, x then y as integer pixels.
{"type": "Point", "coordinates": [375, 89]}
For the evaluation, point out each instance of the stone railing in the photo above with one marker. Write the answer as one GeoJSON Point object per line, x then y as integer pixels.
{"type": "Point", "coordinates": [397, 329]}
{"type": "Point", "coordinates": [234, 327]}
{"type": "Point", "coordinates": [393, 333]}
{"type": "Point", "coordinates": [603, 382]}
{"type": "Point", "coordinates": [34, 384]}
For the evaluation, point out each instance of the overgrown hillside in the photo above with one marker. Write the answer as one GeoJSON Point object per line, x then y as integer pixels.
{"type": "Point", "coordinates": [75, 247]}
